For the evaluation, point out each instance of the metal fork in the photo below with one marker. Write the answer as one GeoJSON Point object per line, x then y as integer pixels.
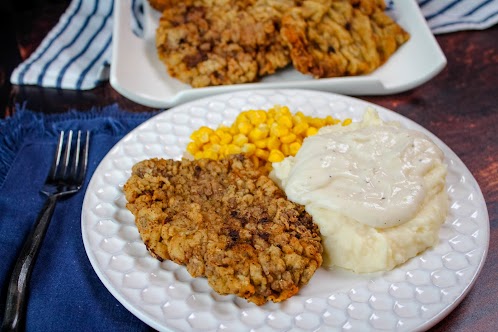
{"type": "Point", "coordinates": [66, 177]}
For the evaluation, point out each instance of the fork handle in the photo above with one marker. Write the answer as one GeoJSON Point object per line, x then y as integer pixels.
{"type": "Point", "coordinates": [15, 307]}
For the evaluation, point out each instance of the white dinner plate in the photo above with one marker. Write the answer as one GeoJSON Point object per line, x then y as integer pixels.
{"type": "Point", "coordinates": [138, 74]}
{"type": "Point", "coordinates": [413, 296]}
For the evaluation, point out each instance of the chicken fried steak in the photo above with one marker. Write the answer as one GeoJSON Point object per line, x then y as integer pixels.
{"type": "Point", "coordinates": [227, 221]}
{"type": "Point", "coordinates": [222, 42]}
{"type": "Point", "coordinates": [329, 38]}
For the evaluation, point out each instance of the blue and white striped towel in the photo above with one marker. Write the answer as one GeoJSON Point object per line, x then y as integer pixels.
{"type": "Point", "coordinates": [76, 54]}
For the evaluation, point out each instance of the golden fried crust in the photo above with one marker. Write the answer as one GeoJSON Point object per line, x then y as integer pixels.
{"type": "Point", "coordinates": [329, 38]}
{"type": "Point", "coordinates": [226, 221]}
{"type": "Point", "coordinates": [206, 42]}
{"type": "Point", "coordinates": [160, 5]}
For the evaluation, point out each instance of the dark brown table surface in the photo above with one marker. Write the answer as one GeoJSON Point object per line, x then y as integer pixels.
{"type": "Point", "coordinates": [459, 106]}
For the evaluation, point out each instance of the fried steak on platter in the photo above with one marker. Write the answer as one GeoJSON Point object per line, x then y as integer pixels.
{"type": "Point", "coordinates": [219, 42]}
{"type": "Point", "coordinates": [330, 38]}
{"type": "Point", "coordinates": [226, 221]}
{"type": "Point", "coordinates": [205, 43]}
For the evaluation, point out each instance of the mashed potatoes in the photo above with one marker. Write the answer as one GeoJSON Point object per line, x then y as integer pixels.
{"type": "Point", "coordinates": [375, 189]}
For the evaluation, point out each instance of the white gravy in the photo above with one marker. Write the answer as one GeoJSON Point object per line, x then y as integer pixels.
{"type": "Point", "coordinates": [373, 175]}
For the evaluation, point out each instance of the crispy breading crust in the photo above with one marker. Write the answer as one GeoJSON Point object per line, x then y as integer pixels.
{"type": "Point", "coordinates": [330, 38]}
{"type": "Point", "coordinates": [218, 42]}
{"type": "Point", "coordinates": [160, 5]}
{"type": "Point", "coordinates": [226, 221]}
{"type": "Point", "coordinates": [205, 42]}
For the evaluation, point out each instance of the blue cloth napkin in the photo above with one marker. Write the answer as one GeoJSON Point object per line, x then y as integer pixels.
{"type": "Point", "coordinates": [65, 292]}
{"type": "Point", "coordinates": [76, 54]}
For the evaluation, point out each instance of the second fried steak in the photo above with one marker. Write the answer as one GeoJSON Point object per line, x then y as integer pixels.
{"type": "Point", "coordinates": [226, 221]}
{"type": "Point", "coordinates": [205, 42]}
{"type": "Point", "coordinates": [329, 38]}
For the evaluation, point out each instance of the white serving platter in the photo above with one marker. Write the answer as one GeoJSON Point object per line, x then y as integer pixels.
{"type": "Point", "coordinates": [138, 74]}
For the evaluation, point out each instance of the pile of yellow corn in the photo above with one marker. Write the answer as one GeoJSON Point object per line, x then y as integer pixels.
{"type": "Point", "coordinates": [264, 136]}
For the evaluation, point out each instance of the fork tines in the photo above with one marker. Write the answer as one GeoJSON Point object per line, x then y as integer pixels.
{"type": "Point", "coordinates": [71, 152]}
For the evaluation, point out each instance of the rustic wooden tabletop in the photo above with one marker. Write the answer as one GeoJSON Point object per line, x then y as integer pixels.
{"type": "Point", "coordinates": [459, 106]}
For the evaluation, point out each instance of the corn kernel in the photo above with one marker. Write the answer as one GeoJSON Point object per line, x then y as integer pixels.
{"type": "Point", "coordinates": [209, 154]}
{"type": "Point", "coordinates": [262, 114]}
{"type": "Point", "coordinates": [240, 139]}
{"type": "Point", "coordinates": [249, 149]}
{"type": "Point", "coordinates": [331, 121]}
{"type": "Point", "coordinates": [279, 131]}
{"type": "Point", "coordinates": [199, 155]}
{"type": "Point", "coordinates": [261, 144]}
{"type": "Point", "coordinates": [225, 138]}
{"type": "Point", "coordinates": [311, 131]}
{"type": "Point", "coordinates": [214, 139]}
{"type": "Point", "coordinates": [257, 117]}
{"type": "Point", "coordinates": [223, 151]}
{"type": "Point", "coordinates": [285, 121]}
{"type": "Point", "coordinates": [275, 156]}
{"type": "Point", "coordinates": [244, 127]}
{"type": "Point", "coordinates": [282, 110]}
{"type": "Point", "coordinates": [215, 148]}
{"type": "Point", "coordinates": [288, 138]}
{"type": "Point", "coordinates": [347, 122]}
{"type": "Point", "coordinates": [207, 146]}
{"type": "Point", "coordinates": [233, 149]}
{"type": "Point", "coordinates": [263, 154]}
{"type": "Point", "coordinates": [222, 129]}
{"type": "Point", "coordinates": [294, 147]}
{"type": "Point", "coordinates": [298, 118]}
{"type": "Point", "coordinates": [317, 122]}
{"type": "Point", "coordinates": [192, 148]}
{"type": "Point", "coordinates": [285, 148]}
{"type": "Point", "coordinates": [259, 132]}
{"type": "Point", "coordinates": [201, 135]}
{"type": "Point", "coordinates": [243, 116]}
{"type": "Point", "coordinates": [273, 143]}
{"type": "Point", "coordinates": [300, 128]}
